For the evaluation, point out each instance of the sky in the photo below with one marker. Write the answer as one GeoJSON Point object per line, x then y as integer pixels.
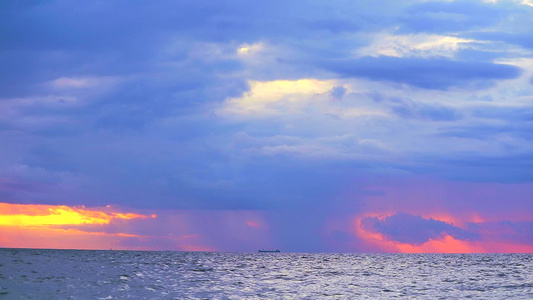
{"type": "Point", "coordinates": [304, 126]}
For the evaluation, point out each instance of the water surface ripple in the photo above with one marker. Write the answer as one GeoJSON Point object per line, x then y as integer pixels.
{"type": "Point", "coordinates": [85, 274]}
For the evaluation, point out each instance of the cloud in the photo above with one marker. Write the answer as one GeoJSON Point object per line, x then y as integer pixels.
{"type": "Point", "coordinates": [46, 215]}
{"type": "Point", "coordinates": [420, 45]}
{"type": "Point", "coordinates": [59, 226]}
{"type": "Point", "coordinates": [406, 108]}
{"type": "Point", "coordinates": [62, 226]}
{"type": "Point", "coordinates": [422, 73]}
{"type": "Point", "coordinates": [455, 16]}
{"type": "Point", "coordinates": [505, 231]}
{"type": "Point", "coordinates": [247, 50]}
{"type": "Point", "coordinates": [406, 232]}
{"type": "Point", "coordinates": [72, 82]}
{"type": "Point", "coordinates": [263, 97]}
{"type": "Point", "coordinates": [338, 92]}
{"type": "Point", "coordinates": [410, 229]}
{"type": "Point", "coordinates": [526, 2]}
{"type": "Point", "coordinates": [279, 108]}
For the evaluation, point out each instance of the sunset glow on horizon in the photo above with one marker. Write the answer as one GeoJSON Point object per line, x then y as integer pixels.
{"type": "Point", "coordinates": [441, 243]}
{"type": "Point", "coordinates": [20, 215]}
{"type": "Point", "coordinates": [60, 226]}
{"type": "Point", "coordinates": [63, 227]}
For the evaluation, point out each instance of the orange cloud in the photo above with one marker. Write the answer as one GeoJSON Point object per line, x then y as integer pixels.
{"type": "Point", "coordinates": [59, 238]}
{"type": "Point", "coordinates": [66, 227]}
{"type": "Point", "coordinates": [444, 244]}
{"type": "Point", "coordinates": [46, 215]}
{"type": "Point", "coordinates": [47, 226]}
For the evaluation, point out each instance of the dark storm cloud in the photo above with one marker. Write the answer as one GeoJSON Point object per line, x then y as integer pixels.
{"type": "Point", "coordinates": [150, 137]}
{"type": "Point", "coordinates": [512, 121]}
{"type": "Point", "coordinates": [338, 92]}
{"type": "Point", "coordinates": [471, 166]}
{"type": "Point", "coordinates": [154, 46]}
{"type": "Point", "coordinates": [490, 53]}
{"type": "Point", "coordinates": [52, 39]}
{"type": "Point", "coordinates": [454, 16]}
{"type": "Point", "coordinates": [335, 26]}
{"type": "Point", "coordinates": [436, 74]}
{"type": "Point", "coordinates": [411, 229]}
{"type": "Point", "coordinates": [45, 40]}
{"type": "Point", "coordinates": [511, 114]}
{"type": "Point", "coordinates": [409, 109]}
{"type": "Point", "coordinates": [506, 231]}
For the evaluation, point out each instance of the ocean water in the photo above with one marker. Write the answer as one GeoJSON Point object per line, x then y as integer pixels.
{"type": "Point", "coordinates": [82, 274]}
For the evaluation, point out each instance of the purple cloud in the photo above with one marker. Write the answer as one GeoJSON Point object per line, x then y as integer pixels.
{"type": "Point", "coordinates": [412, 229]}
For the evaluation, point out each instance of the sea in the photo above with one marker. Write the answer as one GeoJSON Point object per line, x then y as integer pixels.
{"type": "Point", "coordinates": [93, 274]}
